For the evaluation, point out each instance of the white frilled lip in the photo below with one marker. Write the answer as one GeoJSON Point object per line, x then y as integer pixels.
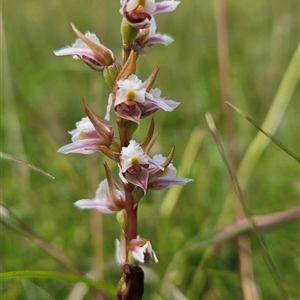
{"type": "Point", "coordinates": [131, 155]}
{"type": "Point", "coordinates": [133, 86]}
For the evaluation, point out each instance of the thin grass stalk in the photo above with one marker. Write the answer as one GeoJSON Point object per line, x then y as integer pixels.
{"type": "Point", "coordinates": [243, 246]}
{"type": "Point", "coordinates": [237, 189]}
{"type": "Point", "coordinates": [238, 228]}
{"type": "Point", "coordinates": [19, 161]}
{"type": "Point", "coordinates": [13, 131]}
{"type": "Point", "coordinates": [271, 137]}
{"type": "Point", "coordinates": [12, 222]}
{"type": "Point", "coordinates": [270, 124]}
{"type": "Point", "coordinates": [210, 247]}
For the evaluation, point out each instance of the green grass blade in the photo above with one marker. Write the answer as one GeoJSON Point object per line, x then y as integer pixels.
{"type": "Point", "coordinates": [271, 137]}
{"type": "Point", "coordinates": [12, 222]}
{"type": "Point", "coordinates": [105, 288]}
{"type": "Point", "coordinates": [17, 160]}
{"type": "Point", "coordinates": [272, 120]}
{"type": "Point", "coordinates": [187, 161]}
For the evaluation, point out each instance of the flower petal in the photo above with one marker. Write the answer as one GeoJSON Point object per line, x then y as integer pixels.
{"type": "Point", "coordinates": [166, 6]}
{"type": "Point", "coordinates": [131, 155]}
{"type": "Point", "coordinates": [133, 115]}
{"type": "Point", "coordinates": [162, 183]}
{"type": "Point", "coordinates": [140, 180]}
{"type": "Point", "coordinates": [158, 38]}
{"type": "Point", "coordinates": [103, 206]}
{"type": "Point", "coordinates": [86, 146]}
{"type": "Point", "coordinates": [103, 200]}
{"type": "Point", "coordinates": [142, 250]}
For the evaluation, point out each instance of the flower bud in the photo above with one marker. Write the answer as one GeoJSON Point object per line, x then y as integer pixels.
{"type": "Point", "coordinates": [110, 74]}
{"type": "Point", "coordinates": [122, 218]}
{"type": "Point", "coordinates": [128, 33]}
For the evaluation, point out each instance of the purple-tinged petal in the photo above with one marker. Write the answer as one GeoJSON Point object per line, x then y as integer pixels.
{"type": "Point", "coordinates": [149, 109]}
{"type": "Point", "coordinates": [140, 180]}
{"type": "Point", "coordinates": [90, 40]}
{"type": "Point", "coordinates": [141, 25]}
{"type": "Point", "coordinates": [165, 104]}
{"type": "Point", "coordinates": [89, 49]}
{"type": "Point", "coordinates": [86, 55]}
{"type": "Point", "coordinates": [133, 114]}
{"type": "Point", "coordinates": [77, 52]}
{"type": "Point", "coordinates": [161, 183]}
{"type": "Point", "coordinates": [88, 133]}
{"type": "Point", "coordinates": [84, 129]}
{"type": "Point", "coordinates": [103, 200]}
{"type": "Point", "coordinates": [138, 19]}
{"type": "Point", "coordinates": [103, 206]}
{"type": "Point", "coordinates": [162, 180]}
{"type": "Point", "coordinates": [149, 37]}
{"type": "Point", "coordinates": [166, 6]}
{"type": "Point", "coordinates": [86, 139]}
{"type": "Point", "coordinates": [86, 146]}
{"type": "Point", "coordinates": [154, 101]}
{"type": "Point", "coordinates": [159, 39]}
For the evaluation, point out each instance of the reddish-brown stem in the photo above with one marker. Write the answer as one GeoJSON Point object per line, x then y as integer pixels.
{"type": "Point", "coordinates": [122, 132]}
{"type": "Point", "coordinates": [130, 231]}
{"type": "Point", "coordinates": [131, 212]}
{"type": "Point", "coordinates": [131, 284]}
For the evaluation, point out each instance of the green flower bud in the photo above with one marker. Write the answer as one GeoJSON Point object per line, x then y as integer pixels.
{"type": "Point", "coordinates": [128, 33]}
{"type": "Point", "coordinates": [122, 218]}
{"type": "Point", "coordinates": [110, 74]}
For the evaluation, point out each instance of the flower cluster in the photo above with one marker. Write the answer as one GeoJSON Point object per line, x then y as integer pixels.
{"type": "Point", "coordinates": [132, 100]}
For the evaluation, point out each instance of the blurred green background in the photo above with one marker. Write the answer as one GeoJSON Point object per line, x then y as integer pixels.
{"type": "Point", "coordinates": [41, 101]}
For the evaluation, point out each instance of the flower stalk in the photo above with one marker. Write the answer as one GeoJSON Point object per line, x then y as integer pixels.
{"type": "Point", "coordinates": [131, 230]}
